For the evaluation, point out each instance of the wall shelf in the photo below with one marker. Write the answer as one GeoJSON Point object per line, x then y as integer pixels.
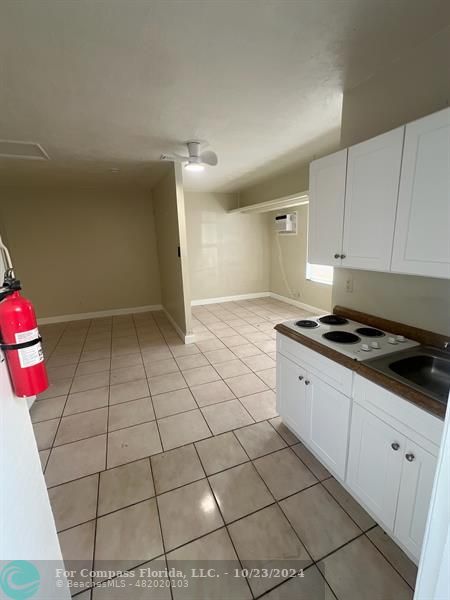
{"type": "Point", "coordinates": [277, 204]}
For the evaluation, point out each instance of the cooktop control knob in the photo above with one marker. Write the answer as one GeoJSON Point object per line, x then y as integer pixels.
{"type": "Point", "coordinates": [375, 345]}
{"type": "Point", "coordinates": [365, 347]}
{"type": "Point", "coordinates": [392, 340]}
{"type": "Point", "coordinates": [400, 338]}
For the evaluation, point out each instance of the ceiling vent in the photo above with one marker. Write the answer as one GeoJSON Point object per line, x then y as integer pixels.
{"type": "Point", "coordinates": [24, 150]}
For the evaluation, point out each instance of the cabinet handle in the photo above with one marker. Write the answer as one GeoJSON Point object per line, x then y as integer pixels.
{"type": "Point", "coordinates": [342, 255]}
{"type": "Point", "coordinates": [300, 377]}
{"type": "Point", "coordinates": [410, 456]}
{"type": "Point", "coordinates": [307, 382]}
{"type": "Point", "coordinates": [395, 446]}
{"type": "Point", "coordinates": [337, 255]}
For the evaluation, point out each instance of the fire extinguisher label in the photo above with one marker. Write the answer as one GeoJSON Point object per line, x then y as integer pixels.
{"type": "Point", "coordinates": [32, 355]}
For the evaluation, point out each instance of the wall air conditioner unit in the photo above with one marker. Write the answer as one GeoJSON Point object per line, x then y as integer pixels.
{"type": "Point", "coordinates": [286, 223]}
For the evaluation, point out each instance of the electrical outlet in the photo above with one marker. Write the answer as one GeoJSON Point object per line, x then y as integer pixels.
{"type": "Point", "coordinates": [349, 285]}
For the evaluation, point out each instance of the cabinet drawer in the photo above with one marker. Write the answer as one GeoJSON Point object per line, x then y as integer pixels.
{"type": "Point", "coordinates": [329, 371]}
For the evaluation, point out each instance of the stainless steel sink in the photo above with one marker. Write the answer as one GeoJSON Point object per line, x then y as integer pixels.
{"type": "Point", "coordinates": [423, 368]}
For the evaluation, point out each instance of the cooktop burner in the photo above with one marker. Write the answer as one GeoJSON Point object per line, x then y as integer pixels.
{"type": "Point", "coordinates": [342, 337]}
{"type": "Point", "coordinates": [333, 320]}
{"type": "Point", "coordinates": [369, 332]}
{"type": "Point", "coordinates": [307, 324]}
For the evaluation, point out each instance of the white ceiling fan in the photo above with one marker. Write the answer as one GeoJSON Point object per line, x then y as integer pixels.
{"type": "Point", "coordinates": [196, 160]}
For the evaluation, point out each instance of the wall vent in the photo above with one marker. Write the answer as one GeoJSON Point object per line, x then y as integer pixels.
{"type": "Point", "coordinates": [24, 150]}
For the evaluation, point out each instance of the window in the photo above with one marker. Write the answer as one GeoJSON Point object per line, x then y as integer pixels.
{"type": "Point", "coordinates": [319, 273]}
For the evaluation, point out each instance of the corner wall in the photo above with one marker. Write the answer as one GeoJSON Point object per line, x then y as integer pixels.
{"type": "Point", "coordinates": [412, 87]}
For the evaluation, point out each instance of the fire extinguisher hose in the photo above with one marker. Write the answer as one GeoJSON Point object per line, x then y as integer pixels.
{"type": "Point", "coordinates": [21, 345]}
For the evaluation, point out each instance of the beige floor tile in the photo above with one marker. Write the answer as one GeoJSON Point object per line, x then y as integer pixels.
{"type": "Point", "coordinates": [261, 405]}
{"type": "Point", "coordinates": [201, 375]}
{"type": "Point", "coordinates": [93, 366]}
{"type": "Point", "coordinates": [44, 410]}
{"type": "Point", "coordinates": [226, 416]}
{"type": "Point", "coordinates": [77, 547]}
{"type": "Point", "coordinates": [43, 455]}
{"type": "Point", "coordinates": [394, 554]}
{"type": "Point", "coordinates": [63, 372]}
{"type": "Point", "coordinates": [320, 522]}
{"type": "Point", "coordinates": [127, 445]}
{"type": "Point", "coordinates": [176, 468]}
{"type": "Point", "coordinates": [125, 485]}
{"type": "Point", "coordinates": [210, 344]}
{"type": "Point", "coordinates": [232, 368]}
{"type": "Point", "coordinates": [181, 349]}
{"type": "Point", "coordinates": [124, 392]}
{"type": "Point", "coordinates": [125, 374]}
{"type": "Point", "coordinates": [187, 513]}
{"type": "Point", "coordinates": [265, 540]}
{"type": "Point", "coordinates": [284, 431]}
{"type": "Point", "coordinates": [56, 388]}
{"type": "Point", "coordinates": [172, 403]}
{"type": "Point", "coordinates": [83, 401]}
{"type": "Point", "coordinates": [192, 361]}
{"type": "Point", "coordinates": [349, 504]}
{"type": "Point", "coordinates": [74, 502]}
{"type": "Point", "coordinates": [63, 359]}
{"type": "Point", "coordinates": [239, 491]}
{"type": "Point", "coordinates": [219, 356]}
{"type": "Point", "coordinates": [127, 414]}
{"type": "Point", "coordinates": [284, 473]}
{"type": "Point", "coordinates": [128, 537]}
{"type": "Point", "coordinates": [156, 353]}
{"type": "Point", "coordinates": [312, 586]}
{"type": "Point", "coordinates": [233, 340]}
{"type": "Point", "coordinates": [128, 360]}
{"type": "Point", "coordinates": [183, 428]}
{"type": "Point", "coordinates": [211, 393]}
{"type": "Point", "coordinates": [220, 452]}
{"type": "Point", "coordinates": [358, 570]}
{"type": "Point", "coordinates": [269, 376]}
{"type": "Point", "coordinates": [89, 382]}
{"type": "Point", "coordinates": [161, 367]}
{"type": "Point", "coordinates": [311, 462]}
{"type": "Point", "coordinates": [244, 385]}
{"type": "Point", "coordinates": [45, 432]}
{"type": "Point", "coordinates": [259, 362]}
{"type": "Point", "coordinates": [212, 550]}
{"type": "Point", "coordinates": [88, 355]}
{"type": "Point", "coordinates": [82, 425]}
{"type": "Point", "coordinates": [246, 350]}
{"type": "Point", "coordinates": [75, 460]}
{"type": "Point", "coordinates": [166, 383]}
{"type": "Point", "coordinates": [155, 587]}
{"type": "Point", "coordinates": [259, 439]}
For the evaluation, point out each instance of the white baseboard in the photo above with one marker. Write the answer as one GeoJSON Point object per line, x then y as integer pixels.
{"type": "Point", "coordinates": [231, 298]}
{"type": "Point", "coordinates": [314, 309]}
{"type": "Point", "coordinates": [98, 314]}
{"type": "Point", "coordinates": [187, 338]}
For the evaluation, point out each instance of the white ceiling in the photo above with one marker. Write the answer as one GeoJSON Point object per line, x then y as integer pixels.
{"type": "Point", "coordinates": [114, 83]}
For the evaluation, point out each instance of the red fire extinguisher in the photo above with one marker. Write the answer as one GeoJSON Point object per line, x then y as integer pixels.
{"type": "Point", "coordinates": [20, 340]}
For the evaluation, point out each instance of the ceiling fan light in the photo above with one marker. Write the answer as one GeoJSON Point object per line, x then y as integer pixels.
{"type": "Point", "coordinates": [194, 167]}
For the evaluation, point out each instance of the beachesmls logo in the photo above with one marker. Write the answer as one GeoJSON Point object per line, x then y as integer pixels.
{"type": "Point", "coordinates": [19, 580]}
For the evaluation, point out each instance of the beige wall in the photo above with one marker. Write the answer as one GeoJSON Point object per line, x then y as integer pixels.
{"type": "Point", "coordinates": [168, 202]}
{"type": "Point", "coordinates": [228, 253]}
{"type": "Point", "coordinates": [290, 252]}
{"type": "Point", "coordinates": [285, 183]}
{"type": "Point", "coordinates": [405, 90]}
{"type": "Point", "coordinates": [82, 249]}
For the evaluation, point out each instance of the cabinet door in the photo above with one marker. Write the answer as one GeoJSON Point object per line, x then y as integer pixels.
{"type": "Point", "coordinates": [291, 395]}
{"type": "Point", "coordinates": [373, 175]}
{"type": "Point", "coordinates": [328, 423]}
{"type": "Point", "coordinates": [414, 498]}
{"type": "Point", "coordinates": [326, 208]}
{"type": "Point", "coordinates": [421, 239]}
{"type": "Point", "coordinates": [375, 463]}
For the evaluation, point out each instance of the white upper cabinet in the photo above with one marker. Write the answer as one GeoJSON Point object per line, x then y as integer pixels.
{"type": "Point", "coordinates": [422, 232]}
{"type": "Point", "coordinates": [373, 174]}
{"type": "Point", "coordinates": [326, 208]}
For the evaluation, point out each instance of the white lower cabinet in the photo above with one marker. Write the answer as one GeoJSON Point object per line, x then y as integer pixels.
{"type": "Point", "coordinates": [315, 411]}
{"type": "Point", "coordinates": [392, 476]}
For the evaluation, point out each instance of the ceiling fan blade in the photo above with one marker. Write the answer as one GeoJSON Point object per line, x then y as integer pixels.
{"type": "Point", "coordinates": [174, 157]}
{"type": "Point", "coordinates": [209, 158]}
